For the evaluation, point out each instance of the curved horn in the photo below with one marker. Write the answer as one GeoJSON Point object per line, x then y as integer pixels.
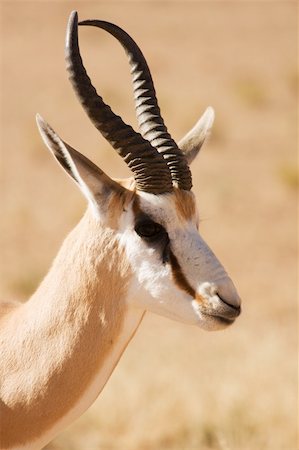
{"type": "Point", "coordinates": [148, 166]}
{"type": "Point", "coordinates": [148, 113]}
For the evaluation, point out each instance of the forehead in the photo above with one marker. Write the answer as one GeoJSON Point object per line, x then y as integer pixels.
{"type": "Point", "coordinates": [177, 207]}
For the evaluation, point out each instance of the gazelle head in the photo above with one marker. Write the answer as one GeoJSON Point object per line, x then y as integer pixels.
{"type": "Point", "coordinates": [173, 272]}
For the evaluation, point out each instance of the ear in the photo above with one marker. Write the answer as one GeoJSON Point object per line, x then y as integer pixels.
{"type": "Point", "coordinates": [93, 182]}
{"type": "Point", "coordinates": [192, 142]}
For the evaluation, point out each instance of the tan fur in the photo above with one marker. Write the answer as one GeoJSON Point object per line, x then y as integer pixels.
{"type": "Point", "coordinates": [117, 203]}
{"type": "Point", "coordinates": [184, 204]}
{"type": "Point", "coordinates": [136, 207]}
{"type": "Point", "coordinates": [200, 300]}
{"type": "Point", "coordinates": [57, 341]}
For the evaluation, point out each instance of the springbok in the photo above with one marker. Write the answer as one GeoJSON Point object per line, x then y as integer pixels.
{"type": "Point", "coordinates": [136, 249]}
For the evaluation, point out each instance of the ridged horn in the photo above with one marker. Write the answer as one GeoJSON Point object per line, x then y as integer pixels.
{"type": "Point", "coordinates": [148, 166]}
{"type": "Point", "coordinates": [148, 113]}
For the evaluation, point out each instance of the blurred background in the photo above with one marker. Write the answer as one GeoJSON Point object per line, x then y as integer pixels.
{"type": "Point", "coordinates": [176, 387]}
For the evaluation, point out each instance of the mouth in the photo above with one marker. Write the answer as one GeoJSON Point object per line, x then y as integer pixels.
{"type": "Point", "coordinates": [227, 313]}
{"type": "Point", "coordinates": [221, 316]}
{"type": "Point", "coordinates": [219, 319]}
{"type": "Point", "coordinates": [223, 320]}
{"type": "Point", "coordinates": [213, 322]}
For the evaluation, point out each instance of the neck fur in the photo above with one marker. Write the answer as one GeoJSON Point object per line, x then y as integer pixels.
{"type": "Point", "coordinates": [71, 334]}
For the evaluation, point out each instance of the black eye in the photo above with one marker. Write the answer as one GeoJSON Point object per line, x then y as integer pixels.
{"type": "Point", "coordinates": [149, 229]}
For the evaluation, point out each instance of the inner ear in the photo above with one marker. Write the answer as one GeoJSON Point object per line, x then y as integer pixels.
{"type": "Point", "coordinates": [194, 139]}
{"type": "Point", "coordinates": [96, 186]}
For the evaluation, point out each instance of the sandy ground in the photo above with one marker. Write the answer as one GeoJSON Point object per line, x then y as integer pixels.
{"type": "Point", "coordinates": [176, 387]}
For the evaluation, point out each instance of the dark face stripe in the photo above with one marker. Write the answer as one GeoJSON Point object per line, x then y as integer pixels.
{"type": "Point", "coordinates": [179, 276]}
{"type": "Point", "coordinates": [168, 256]}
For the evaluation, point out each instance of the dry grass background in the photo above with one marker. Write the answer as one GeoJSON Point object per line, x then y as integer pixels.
{"type": "Point", "coordinates": [176, 387]}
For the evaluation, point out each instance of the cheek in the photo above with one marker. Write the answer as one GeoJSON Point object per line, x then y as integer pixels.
{"type": "Point", "coordinates": [150, 274]}
{"type": "Point", "coordinates": [152, 287]}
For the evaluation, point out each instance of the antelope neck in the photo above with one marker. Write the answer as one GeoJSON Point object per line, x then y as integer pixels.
{"type": "Point", "coordinates": [71, 335]}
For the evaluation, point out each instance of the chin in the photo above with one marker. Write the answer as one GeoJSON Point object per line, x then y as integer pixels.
{"type": "Point", "coordinates": [213, 323]}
